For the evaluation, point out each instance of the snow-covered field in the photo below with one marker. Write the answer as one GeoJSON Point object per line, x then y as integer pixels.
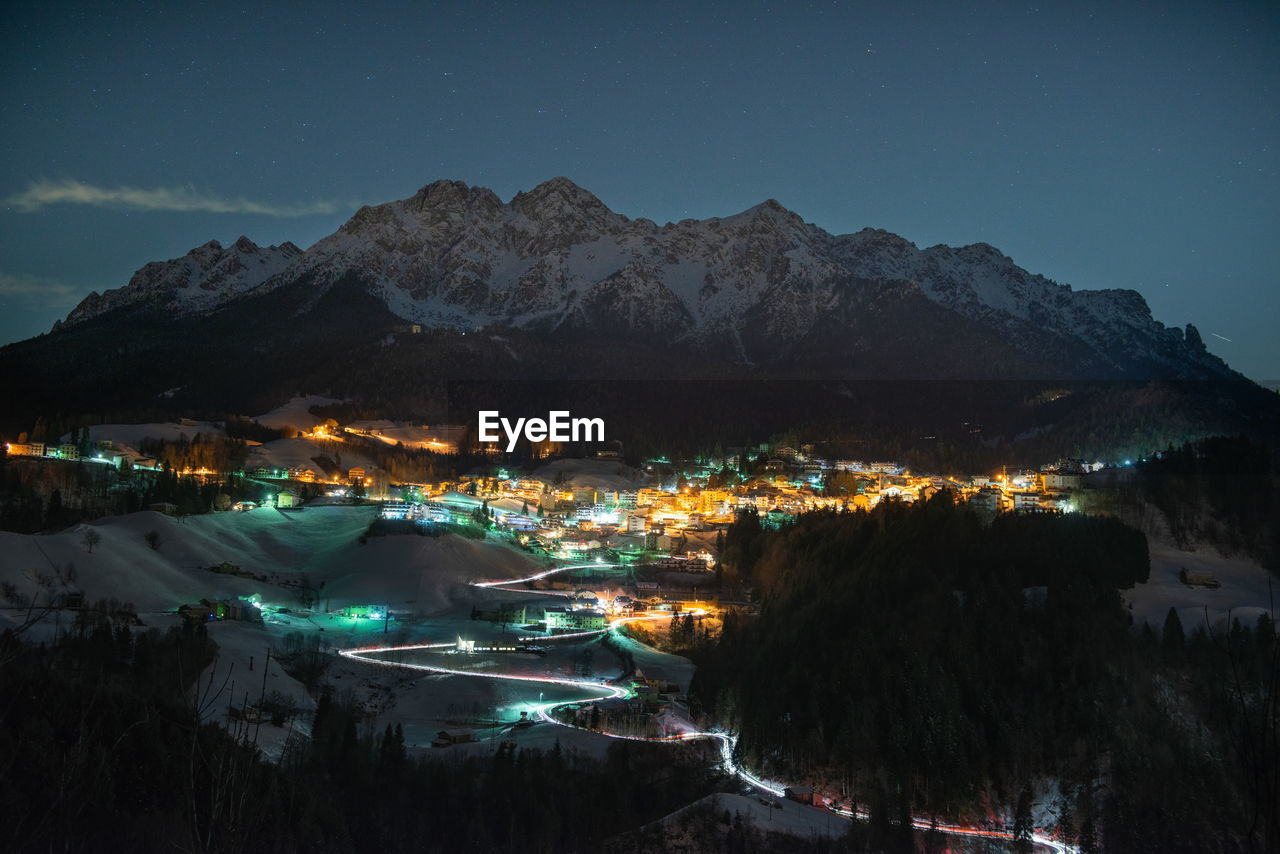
{"type": "Point", "coordinates": [275, 549]}
{"type": "Point", "coordinates": [425, 581]}
{"type": "Point", "coordinates": [131, 435]}
{"type": "Point", "coordinates": [295, 413]}
{"type": "Point", "coordinates": [441, 438]}
{"type": "Point", "coordinates": [596, 474]}
{"type": "Point", "coordinates": [774, 815]}
{"type": "Point", "coordinates": [1245, 593]}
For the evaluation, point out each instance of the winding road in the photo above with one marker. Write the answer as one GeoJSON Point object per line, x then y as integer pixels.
{"type": "Point", "coordinates": [593, 691]}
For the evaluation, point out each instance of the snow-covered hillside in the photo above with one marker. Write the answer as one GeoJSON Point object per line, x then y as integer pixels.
{"type": "Point", "coordinates": [203, 279]}
{"type": "Point", "coordinates": [275, 551]}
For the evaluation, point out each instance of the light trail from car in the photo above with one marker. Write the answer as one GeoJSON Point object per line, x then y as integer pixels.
{"type": "Point", "coordinates": [604, 691]}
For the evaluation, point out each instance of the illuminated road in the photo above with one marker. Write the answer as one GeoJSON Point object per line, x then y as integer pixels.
{"type": "Point", "coordinates": [593, 691]}
{"type": "Point", "coordinates": [507, 582]}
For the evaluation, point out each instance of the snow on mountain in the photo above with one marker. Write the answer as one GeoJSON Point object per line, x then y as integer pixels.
{"type": "Point", "coordinates": [556, 258]}
{"type": "Point", "coordinates": [203, 279]}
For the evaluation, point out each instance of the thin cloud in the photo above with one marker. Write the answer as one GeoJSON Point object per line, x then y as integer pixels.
{"type": "Point", "coordinates": [185, 199]}
{"type": "Point", "coordinates": [38, 290]}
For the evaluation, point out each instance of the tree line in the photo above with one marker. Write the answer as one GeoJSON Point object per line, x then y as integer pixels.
{"type": "Point", "coordinates": [111, 740]}
{"type": "Point", "coordinates": [913, 660]}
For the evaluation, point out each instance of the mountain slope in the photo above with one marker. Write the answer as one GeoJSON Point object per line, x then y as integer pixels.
{"type": "Point", "coordinates": [451, 301]}
{"type": "Point", "coordinates": [760, 287]}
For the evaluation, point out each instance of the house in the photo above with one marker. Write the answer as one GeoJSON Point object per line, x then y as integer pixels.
{"type": "Point", "coordinates": [1026, 502]}
{"type": "Point", "coordinates": [197, 612]}
{"type": "Point", "coordinates": [287, 498]}
{"type": "Point", "coordinates": [1061, 481]}
{"type": "Point", "coordinates": [506, 613]}
{"type": "Point", "coordinates": [222, 609]}
{"type": "Point", "coordinates": [1201, 578]}
{"type": "Point", "coordinates": [582, 620]}
{"type": "Point", "coordinates": [985, 501]}
{"type": "Point", "coordinates": [802, 794]}
{"type": "Point", "coordinates": [355, 475]}
{"type": "Point", "coordinates": [444, 738]}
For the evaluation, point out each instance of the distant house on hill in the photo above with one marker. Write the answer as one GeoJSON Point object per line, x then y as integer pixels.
{"type": "Point", "coordinates": [1198, 578]}
{"type": "Point", "coordinates": [444, 738]}
{"type": "Point", "coordinates": [802, 794]}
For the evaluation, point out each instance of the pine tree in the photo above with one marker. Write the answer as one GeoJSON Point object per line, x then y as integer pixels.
{"type": "Point", "coordinates": [1022, 821]}
{"type": "Point", "coordinates": [1173, 640]}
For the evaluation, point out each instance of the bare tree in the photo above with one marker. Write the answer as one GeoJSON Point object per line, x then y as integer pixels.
{"type": "Point", "coordinates": [91, 538]}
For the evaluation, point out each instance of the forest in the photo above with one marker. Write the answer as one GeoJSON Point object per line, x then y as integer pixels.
{"type": "Point", "coordinates": [109, 741]}
{"type": "Point", "coordinates": [912, 660]}
{"type": "Point", "coordinates": [1221, 489]}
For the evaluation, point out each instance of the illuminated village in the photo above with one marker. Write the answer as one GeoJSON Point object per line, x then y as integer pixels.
{"type": "Point", "coordinates": [640, 539]}
{"type": "Point", "coordinates": [560, 598]}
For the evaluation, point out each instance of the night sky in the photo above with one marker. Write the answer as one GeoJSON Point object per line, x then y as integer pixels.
{"type": "Point", "coordinates": [1132, 146]}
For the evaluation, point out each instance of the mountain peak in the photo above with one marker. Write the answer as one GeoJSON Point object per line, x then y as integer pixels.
{"type": "Point", "coordinates": [559, 184]}
{"type": "Point", "coordinates": [456, 196]}
{"type": "Point", "coordinates": [764, 280]}
{"type": "Point", "coordinates": [439, 193]}
{"type": "Point", "coordinates": [555, 196]}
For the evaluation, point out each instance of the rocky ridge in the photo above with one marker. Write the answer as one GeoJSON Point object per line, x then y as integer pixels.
{"type": "Point", "coordinates": [763, 284]}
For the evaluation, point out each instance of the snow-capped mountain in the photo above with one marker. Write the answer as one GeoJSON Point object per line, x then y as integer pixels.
{"type": "Point", "coordinates": [761, 285]}
{"type": "Point", "coordinates": [205, 278]}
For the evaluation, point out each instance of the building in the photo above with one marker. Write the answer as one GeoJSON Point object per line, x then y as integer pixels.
{"type": "Point", "coordinates": [1198, 578]}
{"type": "Point", "coordinates": [1026, 502]}
{"type": "Point", "coordinates": [681, 564]}
{"type": "Point", "coordinates": [593, 510]}
{"type": "Point", "coordinates": [802, 794]}
{"type": "Point", "coordinates": [654, 541]}
{"type": "Point", "coordinates": [580, 620]}
{"type": "Point", "coordinates": [506, 613]}
{"type": "Point", "coordinates": [444, 738]}
{"type": "Point", "coordinates": [396, 510]}
{"type": "Point", "coordinates": [986, 501]}
{"type": "Point", "coordinates": [1061, 481]}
